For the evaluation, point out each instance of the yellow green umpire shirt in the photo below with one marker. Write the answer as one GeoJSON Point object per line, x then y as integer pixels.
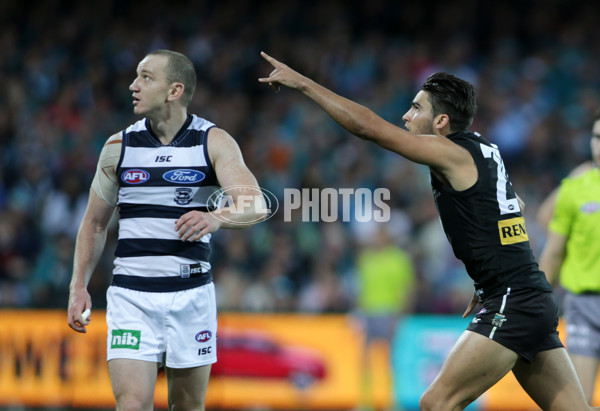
{"type": "Point", "coordinates": [577, 216]}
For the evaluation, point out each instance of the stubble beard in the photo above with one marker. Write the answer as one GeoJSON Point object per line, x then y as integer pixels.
{"type": "Point", "coordinates": [424, 129]}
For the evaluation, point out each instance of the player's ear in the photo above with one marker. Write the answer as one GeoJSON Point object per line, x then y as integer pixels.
{"type": "Point", "coordinates": [175, 91]}
{"type": "Point", "coordinates": [441, 121]}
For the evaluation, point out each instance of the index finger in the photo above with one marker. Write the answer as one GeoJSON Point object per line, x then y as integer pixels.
{"type": "Point", "coordinates": [77, 325]}
{"type": "Point", "coordinates": [78, 328]}
{"type": "Point", "coordinates": [182, 220]}
{"type": "Point", "coordinates": [270, 59]}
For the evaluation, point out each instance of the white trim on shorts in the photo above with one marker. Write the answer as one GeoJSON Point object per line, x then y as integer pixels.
{"type": "Point", "coordinates": [504, 298]}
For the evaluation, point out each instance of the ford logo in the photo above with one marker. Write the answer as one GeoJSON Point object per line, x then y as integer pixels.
{"type": "Point", "coordinates": [184, 176]}
{"type": "Point", "coordinates": [203, 336]}
{"type": "Point", "coordinates": [135, 176]}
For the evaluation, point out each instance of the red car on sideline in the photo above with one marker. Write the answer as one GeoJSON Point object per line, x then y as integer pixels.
{"type": "Point", "coordinates": [256, 355]}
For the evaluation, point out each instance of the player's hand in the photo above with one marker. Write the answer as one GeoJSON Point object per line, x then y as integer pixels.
{"type": "Point", "coordinates": [282, 75]}
{"type": "Point", "coordinates": [79, 301]}
{"type": "Point", "coordinates": [472, 304]}
{"type": "Point", "coordinates": [193, 225]}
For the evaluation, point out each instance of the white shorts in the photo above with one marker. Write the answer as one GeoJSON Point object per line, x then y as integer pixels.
{"type": "Point", "coordinates": [177, 329]}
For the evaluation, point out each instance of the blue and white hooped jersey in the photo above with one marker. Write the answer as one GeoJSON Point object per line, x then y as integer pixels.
{"type": "Point", "coordinates": [158, 184]}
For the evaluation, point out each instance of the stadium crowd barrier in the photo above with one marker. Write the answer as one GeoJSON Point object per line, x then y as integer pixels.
{"type": "Point", "coordinates": [43, 363]}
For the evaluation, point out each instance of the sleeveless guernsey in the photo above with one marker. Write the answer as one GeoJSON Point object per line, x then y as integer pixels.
{"type": "Point", "coordinates": [157, 185]}
{"type": "Point", "coordinates": [484, 223]}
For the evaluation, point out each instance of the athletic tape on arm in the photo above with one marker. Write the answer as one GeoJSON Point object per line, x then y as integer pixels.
{"type": "Point", "coordinates": [105, 182]}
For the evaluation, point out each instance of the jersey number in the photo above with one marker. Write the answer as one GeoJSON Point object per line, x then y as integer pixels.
{"type": "Point", "coordinates": [507, 205]}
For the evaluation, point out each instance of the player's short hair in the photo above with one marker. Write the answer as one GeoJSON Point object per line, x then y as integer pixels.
{"type": "Point", "coordinates": [180, 69]}
{"type": "Point", "coordinates": [453, 96]}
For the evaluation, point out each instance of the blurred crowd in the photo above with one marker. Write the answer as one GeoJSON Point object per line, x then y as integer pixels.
{"type": "Point", "coordinates": [65, 70]}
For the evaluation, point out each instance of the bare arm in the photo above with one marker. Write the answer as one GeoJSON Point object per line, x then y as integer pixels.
{"type": "Point", "coordinates": [248, 205]}
{"type": "Point", "coordinates": [435, 151]}
{"type": "Point", "coordinates": [553, 256]}
{"type": "Point", "coordinates": [91, 237]}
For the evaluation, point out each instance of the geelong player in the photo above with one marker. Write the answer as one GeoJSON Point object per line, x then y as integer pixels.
{"type": "Point", "coordinates": [163, 173]}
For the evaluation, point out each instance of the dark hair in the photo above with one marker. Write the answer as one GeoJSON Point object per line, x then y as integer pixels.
{"type": "Point", "coordinates": [455, 97]}
{"type": "Point", "coordinates": [596, 116]}
{"type": "Point", "coordinates": [180, 69]}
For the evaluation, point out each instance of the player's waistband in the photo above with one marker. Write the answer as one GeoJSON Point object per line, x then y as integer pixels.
{"type": "Point", "coordinates": [498, 284]}
{"type": "Point", "coordinates": [161, 284]}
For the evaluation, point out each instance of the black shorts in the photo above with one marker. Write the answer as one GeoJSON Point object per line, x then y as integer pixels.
{"type": "Point", "coordinates": [523, 320]}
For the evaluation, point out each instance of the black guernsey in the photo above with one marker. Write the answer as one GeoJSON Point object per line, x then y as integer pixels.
{"type": "Point", "coordinates": [484, 223]}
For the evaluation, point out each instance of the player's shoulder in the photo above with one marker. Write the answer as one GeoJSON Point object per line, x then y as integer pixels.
{"type": "Point", "coordinates": [116, 138]}
{"type": "Point", "coordinates": [200, 124]}
{"type": "Point", "coordinates": [221, 145]}
{"type": "Point", "coordinates": [111, 152]}
{"type": "Point", "coordinates": [219, 136]}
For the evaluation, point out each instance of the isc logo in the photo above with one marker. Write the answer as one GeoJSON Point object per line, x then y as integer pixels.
{"type": "Point", "coordinates": [204, 351]}
{"type": "Point", "coordinates": [163, 159]}
{"type": "Point", "coordinates": [135, 176]}
{"type": "Point", "coordinates": [203, 336]}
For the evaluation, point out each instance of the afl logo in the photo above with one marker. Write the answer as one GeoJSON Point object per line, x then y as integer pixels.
{"type": "Point", "coordinates": [135, 176]}
{"type": "Point", "coordinates": [263, 201]}
{"type": "Point", "coordinates": [590, 208]}
{"type": "Point", "coordinates": [203, 336]}
{"type": "Point", "coordinates": [184, 176]}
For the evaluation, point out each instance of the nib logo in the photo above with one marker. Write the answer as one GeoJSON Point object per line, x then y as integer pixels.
{"type": "Point", "coordinates": [126, 339]}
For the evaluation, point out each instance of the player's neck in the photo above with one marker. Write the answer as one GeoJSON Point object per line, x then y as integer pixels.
{"type": "Point", "coordinates": [166, 127]}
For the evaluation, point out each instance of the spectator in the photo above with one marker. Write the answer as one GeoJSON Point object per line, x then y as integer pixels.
{"type": "Point", "coordinates": [64, 89]}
